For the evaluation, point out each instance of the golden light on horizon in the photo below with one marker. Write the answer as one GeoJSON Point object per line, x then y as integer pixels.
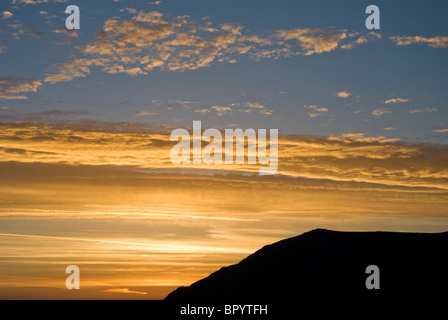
{"type": "Point", "coordinates": [114, 204]}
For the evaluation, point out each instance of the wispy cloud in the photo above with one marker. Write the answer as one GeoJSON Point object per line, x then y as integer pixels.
{"type": "Point", "coordinates": [6, 15]}
{"type": "Point", "coordinates": [321, 40]}
{"type": "Point", "coordinates": [71, 35]}
{"type": "Point", "coordinates": [314, 40]}
{"type": "Point", "coordinates": [254, 105]}
{"type": "Point", "coordinates": [361, 40]}
{"type": "Point", "coordinates": [129, 10]}
{"type": "Point", "coordinates": [343, 94]}
{"type": "Point", "coordinates": [152, 40]}
{"type": "Point", "coordinates": [380, 111]}
{"type": "Point", "coordinates": [428, 110]}
{"type": "Point", "coordinates": [396, 100]}
{"type": "Point", "coordinates": [12, 88]}
{"type": "Point", "coordinates": [146, 113]}
{"type": "Point", "coordinates": [434, 42]}
{"type": "Point", "coordinates": [250, 107]}
{"type": "Point", "coordinates": [349, 157]}
{"type": "Point", "coordinates": [220, 111]}
{"type": "Point", "coordinates": [124, 290]}
{"type": "Point", "coordinates": [315, 111]}
{"type": "Point", "coordinates": [267, 112]}
{"type": "Point", "coordinates": [363, 137]}
{"type": "Point", "coordinates": [202, 111]}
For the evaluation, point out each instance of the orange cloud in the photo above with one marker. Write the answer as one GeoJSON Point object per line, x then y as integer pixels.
{"type": "Point", "coordinates": [314, 40]}
{"type": "Point", "coordinates": [396, 100]}
{"type": "Point", "coordinates": [151, 40]}
{"type": "Point", "coordinates": [6, 15]}
{"type": "Point", "coordinates": [434, 42]}
{"type": "Point", "coordinates": [352, 156]}
{"type": "Point", "coordinates": [124, 290]}
{"type": "Point", "coordinates": [380, 111]}
{"type": "Point", "coordinates": [220, 111]}
{"type": "Point", "coordinates": [315, 111]}
{"type": "Point", "coordinates": [11, 88]}
{"type": "Point", "coordinates": [343, 94]}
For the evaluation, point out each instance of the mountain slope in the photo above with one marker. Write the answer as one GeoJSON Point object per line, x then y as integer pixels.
{"type": "Point", "coordinates": [323, 262]}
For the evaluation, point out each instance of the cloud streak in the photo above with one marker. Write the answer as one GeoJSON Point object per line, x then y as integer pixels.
{"type": "Point", "coordinates": [380, 112]}
{"type": "Point", "coordinates": [354, 156]}
{"type": "Point", "coordinates": [434, 42]}
{"type": "Point", "coordinates": [396, 100]}
{"type": "Point", "coordinates": [11, 88]}
{"type": "Point", "coordinates": [426, 110]}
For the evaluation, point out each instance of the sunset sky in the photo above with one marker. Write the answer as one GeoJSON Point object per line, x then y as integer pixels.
{"type": "Point", "coordinates": [86, 116]}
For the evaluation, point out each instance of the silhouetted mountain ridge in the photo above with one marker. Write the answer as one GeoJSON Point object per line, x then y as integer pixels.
{"type": "Point", "coordinates": [324, 262]}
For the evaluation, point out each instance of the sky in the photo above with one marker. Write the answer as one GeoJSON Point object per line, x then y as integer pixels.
{"type": "Point", "coordinates": [86, 117]}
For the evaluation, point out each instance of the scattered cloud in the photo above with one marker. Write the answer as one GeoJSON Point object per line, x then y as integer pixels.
{"type": "Point", "coordinates": [362, 137]}
{"type": "Point", "coordinates": [434, 42]}
{"type": "Point", "coordinates": [321, 40]}
{"type": "Point", "coordinates": [428, 110]}
{"type": "Point", "coordinates": [389, 129]}
{"type": "Point", "coordinates": [343, 94]}
{"type": "Point", "coordinates": [147, 42]}
{"type": "Point", "coordinates": [381, 111]}
{"type": "Point", "coordinates": [440, 130]}
{"type": "Point", "coordinates": [250, 107]}
{"type": "Point", "coordinates": [129, 10]}
{"type": "Point", "coordinates": [6, 15]}
{"type": "Point", "coordinates": [68, 71]}
{"type": "Point", "coordinates": [315, 111]}
{"type": "Point", "coordinates": [314, 40]}
{"type": "Point", "coordinates": [220, 111]}
{"type": "Point", "coordinates": [202, 111]}
{"type": "Point", "coordinates": [254, 105]}
{"type": "Point", "coordinates": [146, 113]}
{"type": "Point", "coordinates": [44, 13]}
{"type": "Point", "coordinates": [11, 87]}
{"type": "Point", "coordinates": [361, 40]}
{"type": "Point", "coordinates": [396, 100]}
{"type": "Point", "coordinates": [267, 112]}
{"type": "Point", "coordinates": [4, 108]}
{"type": "Point", "coordinates": [152, 40]}
{"type": "Point", "coordinates": [71, 35]}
